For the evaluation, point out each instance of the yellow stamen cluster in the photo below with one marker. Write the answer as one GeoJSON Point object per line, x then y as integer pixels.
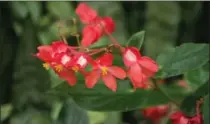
{"type": "Point", "coordinates": [46, 65]}
{"type": "Point", "coordinates": [104, 71]}
{"type": "Point", "coordinates": [75, 68]}
{"type": "Point", "coordinates": [59, 68]}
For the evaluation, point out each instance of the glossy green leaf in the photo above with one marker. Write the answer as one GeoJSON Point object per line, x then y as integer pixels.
{"type": "Point", "coordinates": [197, 77]}
{"type": "Point", "coordinates": [205, 109]}
{"type": "Point", "coordinates": [136, 39]}
{"type": "Point", "coordinates": [182, 59]}
{"type": "Point", "coordinates": [100, 98]}
{"type": "Point", "coordinates": [71, 113]}
{"type": "Point", "coordinates": [61, 10]}
{"type": "Point", "coordinates": [189, 104]}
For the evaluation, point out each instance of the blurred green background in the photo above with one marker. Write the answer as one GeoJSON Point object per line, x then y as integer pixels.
{"type": "Point", "coordinates": [25, 25]}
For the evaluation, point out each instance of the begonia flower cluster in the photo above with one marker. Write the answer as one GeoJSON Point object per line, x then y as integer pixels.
{"type": "Point", "coordinates": [67, 60]}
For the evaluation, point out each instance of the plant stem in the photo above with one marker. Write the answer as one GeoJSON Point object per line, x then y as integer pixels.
{"type": "Point", "coordinates": [164, 93]}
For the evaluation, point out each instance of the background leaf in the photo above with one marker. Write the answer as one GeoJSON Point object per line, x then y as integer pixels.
{"type": "Point", "coordinates": [19, 9]}
{"type": "Point", "coordinates": [6, 111]}
{"type": "Point", "coordinates": [61, 10]}
{"type": "Point", "coordinates": [71, 113]}
{"type": "Point", "coordinates": [136, 39]}
{"type": "Point", "coordinates": [31, 116]}
{"type": "Point", "coordinates": [34, 8]}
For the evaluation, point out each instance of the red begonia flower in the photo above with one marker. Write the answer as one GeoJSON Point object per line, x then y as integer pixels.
{"type": "Point", "coordinates": [179, 118]}
{"type": "Point", "coordinates": [140, 68]}
{"type": "Point", "coordinates": [96, 27]}
{"type": "Point", "coordinates": [66, 74]}
{"type": "Point", "coordinates": [109, 24]}
{"type": "Point", "coordinates": [85, 13]}
{"type": "Point", "coordinates": [45, 53]}
{"type": "Point", "coordinates": [104, 69]}
{"type": "Point", "coordinates": [91, 34]}
{"type": "Point", "coordinates": [196, 120]}
{"type": "Point", "coordinates": [57, 56]}
{"type": "Point", "coordinates": [156, 113]}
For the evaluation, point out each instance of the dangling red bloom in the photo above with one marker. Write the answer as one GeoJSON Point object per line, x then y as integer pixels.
{"type": "Point", "coordinates": [103, 68]}
{"type": "Point", "coordinates": [179, 118]}
{"type": "Point", "coordinates": [96, 27]}
{"type": "Point", "coordinates": [85, 13]}
{"type": "Point", "coordinates": [196, 120]}
{"type": "Point", "coordinates": [156, 113]}
{"type": "Point", "coordinates": [140, 68]}
{"type": "Point", "coordinates": [91, 34]}
{"type": "Point", "coordinates": [108, 24]}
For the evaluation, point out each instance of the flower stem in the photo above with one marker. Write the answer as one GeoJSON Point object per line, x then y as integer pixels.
{"type": "Point", "coordinates": [164, 93]}
{"type": "Point", "coordinates": [61, 35]}
{"type": "Point", "coordinates": [115, 42]}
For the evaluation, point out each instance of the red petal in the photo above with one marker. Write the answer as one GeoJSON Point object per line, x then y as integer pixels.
{"type": "Point", "coordinates": [86, 14]}
{"type": "Point", "coordinates": [110, 82]}
{"type": "Point", "coordinates": [178, 118]}
{"type": "Point", "coordinates": [130, 56]}
{"type": "Point", "coordinates": [105, 60]}
{"type": "Point", "coordinates": [79, 60]}
{"type": "Point", "coordinates": [156, 113]}
{"type": "Point", "coordinates": [69, 76]}
{"type": "Point", "coordinates": [92, 78]}
{"type": "Point", "coordinates": [90, 35]}
{"type": "Point", "coordinates": [148, 64]}
{"type": "Point", "coordinates": [196, 120]}
{"type": "Point", "coordinates": [65, 59]}
{"type": "Point", "coordinates": [45, 53]}
{"type": "Point", "coordinates": [109, 24]}
{"type": "Point", "coordinates": [117, 72]}
{"type": "Point", "coordinates": [135, 73]}
{"type": "Point", "coordinates": [59, 47]}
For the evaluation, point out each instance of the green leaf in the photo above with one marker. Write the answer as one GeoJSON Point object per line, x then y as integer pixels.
{"type": "Point", "coordinates": [62, 10]}
{"type": "Point", "coordinates": [56, 109]}
{"type": "Point", "coordinates": [6, 111]}
{"type": "Point", "coordinates": [197, 77]}
{"type": "Point", "coordinates": [182, 59]}
{"type": "Point", "coordinates": [206, 109]}
{"type": "Point", "coordinates": [100, 98]}
{"type": "Point", "coordinates": [71, 113]}
{"type": "Point", "coordinates": [136, 39]}
{"type": "Point", "coordinates": [34, 8]}
{"type": "Point", "coordinates": [189, 104]}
